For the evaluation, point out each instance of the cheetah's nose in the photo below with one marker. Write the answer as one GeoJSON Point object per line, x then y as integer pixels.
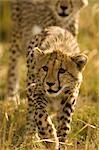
{"type": "Point", "coordinates": [64, 8]}
{"type": "Point", "coordinates": [50, 84]}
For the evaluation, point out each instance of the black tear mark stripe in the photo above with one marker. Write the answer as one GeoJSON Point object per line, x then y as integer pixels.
{"type": "Point", "coordinates": [47, 64]}
{"type": "Point", "coordinates": [61, 60]}
{"type": "Point", "coordinates": [71, 3]}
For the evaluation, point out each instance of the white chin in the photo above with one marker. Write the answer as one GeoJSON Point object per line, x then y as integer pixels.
{"type": "Point", "coordinates": [53, 94]}
{"type": "Point", "coordinates": [57, 93]}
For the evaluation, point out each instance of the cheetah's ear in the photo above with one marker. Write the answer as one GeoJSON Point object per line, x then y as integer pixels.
{"type": "Point", "coordinates": [37, 51]}
{"type": "Point", "coordinates": [80, 61]}
{"type": "Point", "coordinates": [83, 3]}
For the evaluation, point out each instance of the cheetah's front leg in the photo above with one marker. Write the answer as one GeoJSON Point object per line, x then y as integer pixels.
{"type": "Point", "coordinates": [64, 117]}
{"type": "Point", "coordinates": [45, 127]}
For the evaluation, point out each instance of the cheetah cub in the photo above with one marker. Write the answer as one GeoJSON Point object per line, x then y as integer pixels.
{"type": "Point", "coordinates": [30, 17]}
{"type": "Point", "coordinates": [55, 67]}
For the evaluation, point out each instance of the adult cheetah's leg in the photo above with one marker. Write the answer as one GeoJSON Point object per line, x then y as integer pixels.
{"type": "Point", "coordinates": [64, 118]}
{"type": "Point", "coordinates": [12, 78]}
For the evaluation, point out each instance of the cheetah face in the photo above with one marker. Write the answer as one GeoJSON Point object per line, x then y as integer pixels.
{"type": "Point", "coordinates": [57, 71]}
{"type": "Point", "coordinates": [67, 8]}
{"type": "Point", "coordinates": [64, 8]}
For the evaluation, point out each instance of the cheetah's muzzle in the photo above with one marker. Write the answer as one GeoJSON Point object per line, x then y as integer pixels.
{"type": "Point", "coordinates": [63, 14]}
{"type": "Point", "coordinates": [50, 91]}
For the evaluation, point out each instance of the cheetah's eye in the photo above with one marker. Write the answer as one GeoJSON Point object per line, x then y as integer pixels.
{"type": "Point", "coordinates": [45, 68]}
{"type": "Point", "coordinates": [61, 70]}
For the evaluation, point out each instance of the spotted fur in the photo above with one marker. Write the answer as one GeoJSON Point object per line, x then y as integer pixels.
{"type": "Point", "coordinates": [30, 17]}
{"type": "Point", "coordinates": [55, 67]}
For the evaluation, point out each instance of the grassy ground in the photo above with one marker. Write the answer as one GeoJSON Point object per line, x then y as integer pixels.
{"type": "Point", "coordinates": [84, 134]}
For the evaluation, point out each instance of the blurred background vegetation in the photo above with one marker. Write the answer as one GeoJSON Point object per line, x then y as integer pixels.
{"type": "Point", "coordinates": [5, 22]}
{"type": "Point", "coordinates": [85, 126]}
